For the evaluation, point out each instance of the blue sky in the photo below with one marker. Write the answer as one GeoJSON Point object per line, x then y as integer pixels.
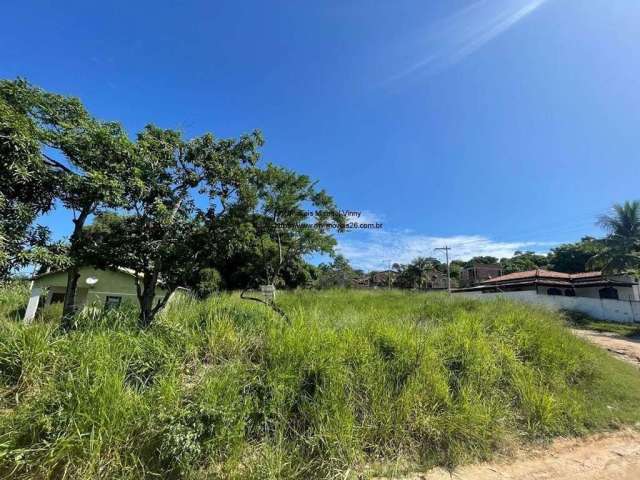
{"type": "Point", "coordinates": [489, 125]}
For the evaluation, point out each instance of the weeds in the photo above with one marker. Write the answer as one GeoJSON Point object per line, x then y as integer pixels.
{"type": "Point", "coordinates": [226, 389]}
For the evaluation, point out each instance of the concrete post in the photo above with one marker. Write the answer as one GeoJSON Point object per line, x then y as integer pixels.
{"type": "Point", "coordinates": [32, 306]}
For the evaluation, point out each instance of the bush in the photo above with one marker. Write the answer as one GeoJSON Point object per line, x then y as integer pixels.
{"type": "Point", "coordinates": [210, 282]}
{"type": "Point", "coordinates": [13, 300]}
{"type": "Point", "coordinates": [227, 389]}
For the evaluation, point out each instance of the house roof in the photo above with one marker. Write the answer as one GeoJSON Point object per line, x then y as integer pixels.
{"type": "Point", "coordinates": [127, 271]}
{"type": "Point", "coordinates": [542, 274]}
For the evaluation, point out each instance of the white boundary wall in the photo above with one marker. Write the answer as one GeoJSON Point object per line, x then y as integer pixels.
{"type": "Point", "coordinates": [623, 311]}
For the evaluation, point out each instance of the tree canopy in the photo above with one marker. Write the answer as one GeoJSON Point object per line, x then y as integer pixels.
{"type": "Point", "coordinates": [27, 190]}
{"type": "Point", "coordinates": [621, 246]}
{"type": "Point", "coordinates": [574, 257]}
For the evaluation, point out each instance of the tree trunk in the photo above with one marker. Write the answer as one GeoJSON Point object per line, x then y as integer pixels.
{"type": "Point", "coordinates": [146, 295]}
{"type": "Point", "coordinates": [69, 308]}
{"type": "Point", "coordinates": [73, 272]}
{"type": "Point", "coordinates": [146, 305]}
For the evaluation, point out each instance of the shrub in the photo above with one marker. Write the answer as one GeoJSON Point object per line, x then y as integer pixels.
{"type": "Point", "coordinates": [209, 283]}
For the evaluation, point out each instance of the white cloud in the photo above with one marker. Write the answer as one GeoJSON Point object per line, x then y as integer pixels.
{"type": "Point", "coordinates": [465, 32]}
{"type": "Point", "coordinates": [374, 250]}
{"type": "Point", "coordinates": [370, 217]}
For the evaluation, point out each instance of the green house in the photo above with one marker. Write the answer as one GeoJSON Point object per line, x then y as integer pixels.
{"type": "Point", "coordinates": [99, 288]}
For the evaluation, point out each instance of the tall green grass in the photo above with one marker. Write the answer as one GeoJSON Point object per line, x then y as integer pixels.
{"type": "Point", "coordinates": [227, 389]}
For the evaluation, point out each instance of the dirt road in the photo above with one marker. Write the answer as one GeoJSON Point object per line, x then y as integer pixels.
{"type": "Point", "coordinates": [612, 456]}
{"type": "Point", "coordinates": [627, 349]}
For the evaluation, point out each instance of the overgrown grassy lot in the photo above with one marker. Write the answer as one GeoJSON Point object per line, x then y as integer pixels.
{"type": "Point", "coordinates": [226, 388]}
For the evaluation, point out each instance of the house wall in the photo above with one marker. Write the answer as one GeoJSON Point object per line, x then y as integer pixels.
{"type": "Point", "coordinates": [479, 273]}
{"type": "Point", "coordinates": [624, 293]}
{"type": "Point", "coordinates": [623, 311]}
{"type": "Point", "coordinates": [110, 283]}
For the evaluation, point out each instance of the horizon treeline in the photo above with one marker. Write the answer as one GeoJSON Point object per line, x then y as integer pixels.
{"type": "Point", "coordinates": [618, 251]}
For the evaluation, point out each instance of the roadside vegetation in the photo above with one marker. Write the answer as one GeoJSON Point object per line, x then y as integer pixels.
{"type": "Point", "coordinates": [585, 322]}
{"type": "Point", "coordinates": [222, 388]}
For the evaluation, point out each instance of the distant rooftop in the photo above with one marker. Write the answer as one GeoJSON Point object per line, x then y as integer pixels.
{"type": "Point", "coordinates": [540, 274]}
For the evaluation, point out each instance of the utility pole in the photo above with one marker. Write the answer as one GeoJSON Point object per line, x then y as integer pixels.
{"type": "Point", "coordinates": [446, 249]}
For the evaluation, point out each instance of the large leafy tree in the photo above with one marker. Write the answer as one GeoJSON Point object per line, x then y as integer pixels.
{"type": "Point", "coordinates": [292, 219]}
{"type": "Point", "coordinates": [621, 250]}
{"type": "Point", "coordinates": [166, 227]}
{"type": "Point", "coordinates": [88, 159]}
{"type": "Point", "coordinates": [27, 190]}
{"type": "Point", "coordinates": [288, 219]}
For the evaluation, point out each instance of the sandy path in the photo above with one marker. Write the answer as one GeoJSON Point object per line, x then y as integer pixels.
{"type": "Point", "coordinates": [627, 349]}
{"type": "Point", "coordinates": [612, 456]}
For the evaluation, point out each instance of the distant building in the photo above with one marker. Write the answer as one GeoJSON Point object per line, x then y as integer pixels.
{"type": "Point", "coordinates": [547, 282]}
{"type": "Point", "coordinates": [478, 273]}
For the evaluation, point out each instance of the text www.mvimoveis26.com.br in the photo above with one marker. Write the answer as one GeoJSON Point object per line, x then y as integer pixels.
{"type": "Point", "coordinates": [351, 222]}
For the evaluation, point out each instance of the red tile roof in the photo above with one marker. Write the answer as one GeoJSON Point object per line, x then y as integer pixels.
{"type": "Point", "coordinates": [539, 274]}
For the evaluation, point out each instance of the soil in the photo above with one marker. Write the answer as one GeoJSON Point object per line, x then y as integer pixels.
{"type": "Point", "coordinates": [610, 456]}
{"type": "Point", "coordinates": [623, 348]}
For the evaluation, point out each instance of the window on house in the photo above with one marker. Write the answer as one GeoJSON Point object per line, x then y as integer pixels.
{"type": "Point", "coordinates": [608, 292]}
{"type": "Point", "coordinates": [57, 298]}
{"type": "Point", "coordinates": [554, 291]}
{"type": "Point", "coordinates": [570, 292]}
{"type": "Point", "coordinates": [112, 302]}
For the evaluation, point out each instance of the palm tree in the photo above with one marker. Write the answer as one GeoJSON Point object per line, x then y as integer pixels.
{"type": "Point", "coordinates": [419, 269]}
{"type": "Point", "coordinates": [622, 244]}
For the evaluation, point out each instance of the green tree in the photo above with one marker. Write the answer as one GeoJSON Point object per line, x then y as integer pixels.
{"type": "Point", "coordinates": [621, 250]}
{"type": "Point", "coordinates": [160, 237]}
{"type": "Point", "coordinates": [574, 257]}
{"type": "Point", "coordinates": [456, 267]}
{"type": "Point", "coordinates": [285, 231]}
{"type": "Point", "coordinates": [88, 158]}
{"type": "Point", "coordinates": [339, 273]}
{"type": "Point", "coordinates": [523, 261]}
{"type": "Point", "coordinates": [481, 260]}
{"type": "Point", "coordinates": [27, 190]}
{"type": "Point", "coordinates": [209, 282]}
{"type": "Point", "coordinates": [265, 242]}
{"type": "Point", "coordinates": [416, 274]}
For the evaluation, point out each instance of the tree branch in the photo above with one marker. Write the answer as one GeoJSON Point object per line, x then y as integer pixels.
{"type": "Point", "coordinates": [54, 163]}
